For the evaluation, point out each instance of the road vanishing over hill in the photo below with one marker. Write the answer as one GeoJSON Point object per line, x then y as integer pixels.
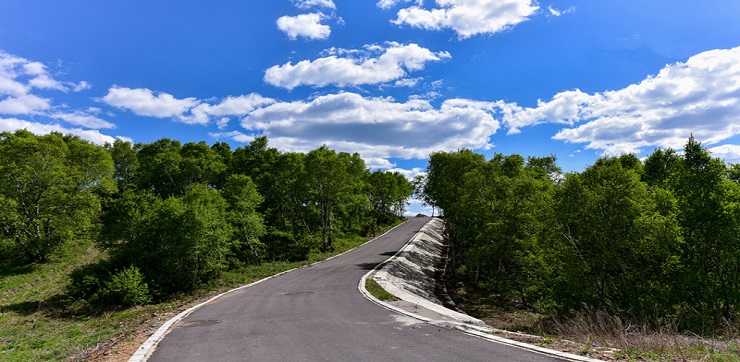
{"type": "Point", "coordinates": [317, 314]}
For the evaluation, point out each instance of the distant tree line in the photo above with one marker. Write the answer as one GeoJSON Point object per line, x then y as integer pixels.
{"type": "Point", "coordinates": [171, 217]}
{"type": "Point", "coordinates": [657, 240]}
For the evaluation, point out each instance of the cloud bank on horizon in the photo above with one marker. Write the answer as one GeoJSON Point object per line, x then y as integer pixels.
{"type": "Point", "coordinates": [389, 100]}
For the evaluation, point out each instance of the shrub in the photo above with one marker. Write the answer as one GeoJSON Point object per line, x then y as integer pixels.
{"type": "Point", "coordinates": [127, 288]}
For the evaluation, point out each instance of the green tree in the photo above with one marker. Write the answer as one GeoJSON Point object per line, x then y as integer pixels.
{"type": "Point", "coordinates": [332, 178]}
{"type": "Point", "coordinates": [125, 163]}
{"type": "Point", "coordinates": [615, 246]}
{"type": "Point", "coordinates": [243, 198]}
{"type": "Point", "coordinates": [710, 225]}
{"type": "Point", "coordinates": [49, 190]}
{"type": "Point", "coordinates": [159, 168]}
{"type": "Point", "coordinates": [177, 243]}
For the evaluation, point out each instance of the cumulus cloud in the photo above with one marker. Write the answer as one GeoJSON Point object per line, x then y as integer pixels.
{"type": "Point", "coordinates": [387, 4]}
{"type": "Point", "coordinates": [728, 153]}
{"type": "Point", "coordinates": [19, 77]}
{"type": "Point", "coordinates": [699, 96]}
{"type": "Point", "coordinates": [409, 174]}
{"type": "Point", "coordinates": [24, 104]}
{"type": "Point", "coordinates": [83, 119]}
{"type": "Point", "coordinates": [304, 25]}
{"type": "Point", "coordinates": [229, 106]}
{"type": "Point", "coordinates": [144, 102]}
{"type": "Point", "coordinates": [375, 127]}
{"type": "Point", "coordinates": [373, 65]}
{"type": "Point", "coordinates": [306, 4]}
{"type": "Point", "coordinates": [377, 163]}
{"type": "Point", "coordinates": [233, 135]}
{"type": "Point", "coordinates": [466, 17]}
{"type": "Point", "coordinates": [13, 124]}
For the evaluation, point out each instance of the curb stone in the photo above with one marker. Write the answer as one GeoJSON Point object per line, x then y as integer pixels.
{"type": "Point", "coordinates": [459, 321]}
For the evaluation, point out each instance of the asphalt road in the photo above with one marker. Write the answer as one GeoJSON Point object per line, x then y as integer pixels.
{"type": "Point", "coordinates": [317, 314]}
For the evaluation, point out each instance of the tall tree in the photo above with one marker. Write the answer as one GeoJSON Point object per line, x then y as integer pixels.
{"type": "Point", "coordinates": [49, 187]}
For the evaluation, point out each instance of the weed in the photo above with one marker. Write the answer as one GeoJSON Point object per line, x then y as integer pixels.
{"type": "Point", "coordinates": [377, 291]}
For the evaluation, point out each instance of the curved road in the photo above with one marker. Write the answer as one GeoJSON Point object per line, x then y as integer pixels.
{"type": "Point", "coordinates": [317, 314]}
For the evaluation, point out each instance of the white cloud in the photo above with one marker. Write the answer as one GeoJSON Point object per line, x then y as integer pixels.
{"type": "Point", "coordinates": [83, 119]}
{"type": "Point", "coordinates": [394, 62]}
{"type": "Point", "coordinates": [81, 86]}
{"type": "Point", "coordinates": [19, 77]}
{"type": "Point", "coordinates": [557, 12]}
{"type": "Point", "coordinates": [223, 122]}
{"type": "Point", "coordinates": [125, 139]}
{"type": "Point", "coordinates": [375, 127]}
{"type": "Point", "coordinates": [24, 104]}
{"type": "Point", "coordinates": [234, 135]}
{"type": "Point", "coordinates": [378, 163]}
{"type": "Point", "coordinates": [387, 4]}
{"type": "Point", "coordinates": [407, 82]}
{"type": "Point", "coordinates": [728, 153]}
{"type": "Point", "coordinates": [409, 174]}
{"type": "Point", "coordinates": [699, 96]}
{"type": "Point", "coordinates": [305, 25]}
{"type": "Point", "coordinates": [144, 102]}
{"type": "Point", "coordinates": [306, 4]}
{"type": "Point", "coordinates": [230, 106]}
{"type": "Point", "coordinates": [466, 17]}
{"type": "Point", "coordinates": [13, 124]}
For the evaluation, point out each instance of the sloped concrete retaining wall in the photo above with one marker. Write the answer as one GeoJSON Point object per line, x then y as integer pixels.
{"type": "Point", "coordinates": [410, 274]}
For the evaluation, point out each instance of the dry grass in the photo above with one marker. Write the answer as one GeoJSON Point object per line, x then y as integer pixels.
{"type": "Point", "coordinates": [600, 335]}
{"type": "Point", "coordinates": [640, 340]}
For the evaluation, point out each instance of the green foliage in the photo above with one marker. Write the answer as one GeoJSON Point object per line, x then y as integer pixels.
{"type": "Point", "coordinates": [243, 199]}
{"type": "Point", "coordinates": [49, 191]}
{"type": "Point", "coordinates": [178, 243]}
{"type": "Point", "coordinates": [127, 288]}
{"type": "Point", "coordinates": [334, 178]}
{"type": "Point", "coordinates": [388, 193]}
{"type": "Point", "coordinates": [656, 241]}
{"type": "Point", "coordinates": [614, 244]}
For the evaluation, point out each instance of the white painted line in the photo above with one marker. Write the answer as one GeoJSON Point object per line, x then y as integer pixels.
{"type": "Point", "coordinates": [483, 332]}
{"type": "Point", "coordinates": [147, 348]}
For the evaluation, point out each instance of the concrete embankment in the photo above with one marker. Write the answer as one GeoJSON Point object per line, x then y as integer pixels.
{"type": "Point", "coordinates": [413, 276]}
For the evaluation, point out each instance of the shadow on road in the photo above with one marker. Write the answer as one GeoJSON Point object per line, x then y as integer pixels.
{"type": "Point", "coordinates": [367, 266]}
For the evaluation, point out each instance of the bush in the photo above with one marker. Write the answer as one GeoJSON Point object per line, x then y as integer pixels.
{"type": "Point", "coordinates": [288, 247]}
{"type": "Point", "coordinates": [127, 288]}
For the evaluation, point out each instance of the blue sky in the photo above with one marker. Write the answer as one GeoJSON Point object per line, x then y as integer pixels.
{"type": "Point", "coordinates": [391, 79]}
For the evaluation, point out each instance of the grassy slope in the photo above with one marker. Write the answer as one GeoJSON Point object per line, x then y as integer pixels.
{"type": "Point", "coordinates": [38, 322]}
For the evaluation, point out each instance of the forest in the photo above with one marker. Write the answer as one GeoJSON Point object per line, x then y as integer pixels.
{"type": "Point", "coordinates": [172, 217]}
{"type": "Point", "coordinates": [654, 239]}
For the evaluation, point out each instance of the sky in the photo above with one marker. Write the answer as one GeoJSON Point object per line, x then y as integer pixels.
{"type": "Point", "coordinates": [391, 79]}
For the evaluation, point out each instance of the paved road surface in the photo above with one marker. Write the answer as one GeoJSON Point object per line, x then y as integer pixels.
{"type": "Point", "coordinates": [317, 314]}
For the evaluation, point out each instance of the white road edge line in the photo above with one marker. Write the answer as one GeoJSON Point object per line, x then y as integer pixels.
{"type": "Point", "coordinates": [476, 331]}
{"type": "Point", "coordinates": [147, 348]}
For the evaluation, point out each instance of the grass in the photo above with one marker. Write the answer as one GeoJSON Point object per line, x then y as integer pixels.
{"type": "Point", "coordinates": [600, 335]}
{"type": "Point", "coordinates": [39, 322]}
{"type": "Point", "coordinates": [377, 291]}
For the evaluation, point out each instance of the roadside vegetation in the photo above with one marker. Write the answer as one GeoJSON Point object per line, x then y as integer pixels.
{"type": "Point", "coordinates": [97, 242]}
{"type": "Point", "coordinates": [377, 291]}
{"type": "Point", "coordinates": [624, 252]}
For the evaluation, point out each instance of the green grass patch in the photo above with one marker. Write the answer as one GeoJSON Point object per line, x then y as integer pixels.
{"type": "Point", "coordinates": [377, 291]}
{"type": "Point", "coordinates": [40, 322]}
